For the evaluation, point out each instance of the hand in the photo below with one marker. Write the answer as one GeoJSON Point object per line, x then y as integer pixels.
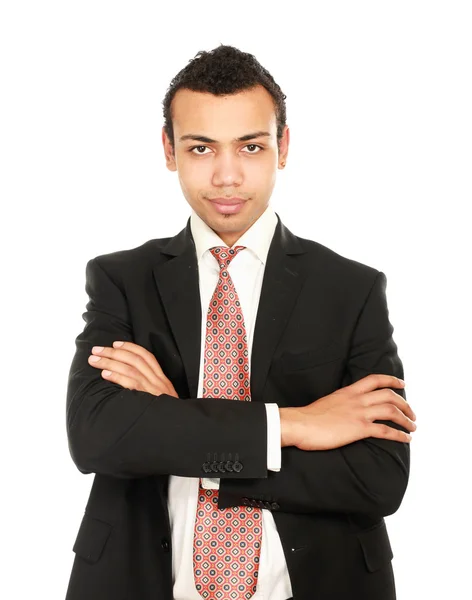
{"type": "Point", "coordinates": [132, 367]}
{"type": "Point", "coordinates": [348, 415]}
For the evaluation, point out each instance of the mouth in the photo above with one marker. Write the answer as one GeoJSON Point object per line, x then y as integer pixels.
{"type": "Point", "coordinates": [228, 205]}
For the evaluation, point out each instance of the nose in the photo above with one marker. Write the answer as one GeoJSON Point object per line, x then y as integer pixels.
{"type": "Point", "coordinates": [227, 170]}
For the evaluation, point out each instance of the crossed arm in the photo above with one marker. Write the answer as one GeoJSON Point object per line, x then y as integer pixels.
{"type": "Point", "coordinates": [132, 433]}
{"type": "Point", "coordinates": [121, 432]}
{"type": "Point", "coordinates": [367, 476]}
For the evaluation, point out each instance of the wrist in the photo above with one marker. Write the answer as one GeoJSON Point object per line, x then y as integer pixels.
{"type": "Point", "coordinates": [289, 426]}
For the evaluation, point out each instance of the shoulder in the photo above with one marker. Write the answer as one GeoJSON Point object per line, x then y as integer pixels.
{"type": "Point", "coordinates": [340, 278]}
{"type": "Point", "coordinates": [335, 266]}
{"type": "Point", "coordinates": [122, 264]}
{"type": "Point", "coordinates": [131, 256]}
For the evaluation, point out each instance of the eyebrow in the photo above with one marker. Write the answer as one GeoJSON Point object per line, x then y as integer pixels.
{"type": "Point", "coordinates": [207, 140]}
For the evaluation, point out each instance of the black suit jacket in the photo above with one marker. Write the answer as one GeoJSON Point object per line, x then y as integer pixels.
{"type": "Point", "coordinates": [322, 323]}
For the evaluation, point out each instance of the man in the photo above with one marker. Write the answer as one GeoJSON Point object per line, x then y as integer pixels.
{"type": "Point", "coordinates": [236, 389]}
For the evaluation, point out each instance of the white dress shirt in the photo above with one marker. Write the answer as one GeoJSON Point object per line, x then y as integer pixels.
{"type": "Point", "coordinates": [246, 271]}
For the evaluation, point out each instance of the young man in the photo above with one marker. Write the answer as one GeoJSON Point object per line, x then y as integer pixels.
{"type": "Point", "coordinates": [249, 432]}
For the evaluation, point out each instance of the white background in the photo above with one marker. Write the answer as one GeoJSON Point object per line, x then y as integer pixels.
{"type": "Point", "coordinates": [379, 169]}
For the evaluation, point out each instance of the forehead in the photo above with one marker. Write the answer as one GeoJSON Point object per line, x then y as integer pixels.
{"type": "Point", "coordinates": [202, 112]}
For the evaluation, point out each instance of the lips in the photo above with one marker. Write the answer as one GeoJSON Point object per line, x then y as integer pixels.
{"type": "Point", "coordinates": [228, 206]}
{"type": "Point", "coordinates": [228, 201]}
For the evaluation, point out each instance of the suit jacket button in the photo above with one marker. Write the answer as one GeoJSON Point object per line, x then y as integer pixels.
{"type": "Point", "coordinates": [165, 544]}
{"type": "Point", "coordinates": [229, 465]}
{"type": "Point", "coordinates": [221, 467]}
{"type": "Point", "coordinates": [267, 505]}
{"type": "Point", "coordinates": [275, 506]}
{"type": "Point", "coordinates": [206, 467]}
{"type": "Point", "coordinates": [253, 502]}
{"type": "Point", "coordinates": [237, 466]}
{"type": "Point", "coordinates": [214, 466]}
{"type": "Point", "coordinates": [260, 503]}
{"type": "Point", "coordinates": [246, 501]}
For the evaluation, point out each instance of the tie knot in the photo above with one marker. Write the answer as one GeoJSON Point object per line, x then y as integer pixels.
{"type": "Point", "coordinates": [225, 255]}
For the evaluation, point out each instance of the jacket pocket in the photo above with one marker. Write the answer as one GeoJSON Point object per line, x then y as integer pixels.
{"type": "Point", "coordinates": [91, 538]}
{"type": "Point", "coordinates": [375, 546]}
{"type": "Point", "coordinates": [313, 357]}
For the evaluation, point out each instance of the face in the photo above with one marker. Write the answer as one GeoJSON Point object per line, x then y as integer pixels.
{"type": "Point", "coordinates": [226, 150]}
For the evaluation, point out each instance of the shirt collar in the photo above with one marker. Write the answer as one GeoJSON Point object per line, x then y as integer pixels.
{"type": "Point", "coordinates": [257, 238]}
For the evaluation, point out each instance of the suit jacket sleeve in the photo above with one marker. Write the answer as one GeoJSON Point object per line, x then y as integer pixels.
{"type": "Point", "coordinates": [369, 476]}
{"type": "Point", "coordinates": [128, 433]}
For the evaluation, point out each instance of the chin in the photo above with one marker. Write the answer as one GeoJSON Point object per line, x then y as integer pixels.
{"type": "Point", "coordinates": [228, 223]}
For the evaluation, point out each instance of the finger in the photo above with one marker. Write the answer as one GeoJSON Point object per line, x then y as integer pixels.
{"type": "Point", "coordinates": [116, 367]}
{"type": "Point", "coordinates": [147, 356]}
{"type": "Point", "coordinates": [120, 379]}
{"type": "Point", "coordinates": [376, 380]}
{"type": "Point", "coordinates": [127, 372]}
{"type": "Point", "coordinates": [390, 397]}
{"type": "Point", "coordinates": [379, 430]}
{"type": "Point", "coordinates": [389, 412]}
{"type": "Point", "coordinates": [129, 377]}
{"type": "Point", "coordinates": [125, 358]}
{"type": "Point", "coordinates": [135, 384]}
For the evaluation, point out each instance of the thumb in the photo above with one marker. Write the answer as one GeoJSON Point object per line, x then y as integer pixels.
{"type": "Point", "coordinates": [374, 381]}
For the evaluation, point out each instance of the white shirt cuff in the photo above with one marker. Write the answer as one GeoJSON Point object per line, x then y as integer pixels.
{"type": "Point", "coordinates": [211, 483]}
{"type": "Point", "coordinates": [274, 449]}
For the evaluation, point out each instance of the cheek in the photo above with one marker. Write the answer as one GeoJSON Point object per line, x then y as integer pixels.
{"type": "Point", "coordinates": [191, 176]}
{"type": "Point", "coordinates": [264, 166]}
{"type": "Point", "coordinates": [261, 174]}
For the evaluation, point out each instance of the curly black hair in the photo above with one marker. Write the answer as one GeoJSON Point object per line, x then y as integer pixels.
{"type": "Point", "coordinates": [221, 71]}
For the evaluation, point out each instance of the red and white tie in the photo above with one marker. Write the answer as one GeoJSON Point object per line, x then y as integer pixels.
{"type": "Point", "coordinates": [227, 542]}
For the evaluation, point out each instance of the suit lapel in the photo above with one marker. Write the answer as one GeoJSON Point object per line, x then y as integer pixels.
{"type": "Point", "coordinates": [283, 279]}
{"type": "Point", "coordinates": [178, 286]}
{"type": "Point", "coordinates": [177, 283]}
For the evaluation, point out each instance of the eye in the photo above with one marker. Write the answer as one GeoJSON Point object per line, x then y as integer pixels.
{"type": "Point", "coordinates": [247, 146]}
{"type": "Point", "coordinates": [254, 146]}
{"type": "Point", "coordinates": [196, 148]}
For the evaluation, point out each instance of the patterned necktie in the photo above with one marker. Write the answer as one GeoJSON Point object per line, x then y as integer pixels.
{"type": "Point", "coordinates": [227, 542]}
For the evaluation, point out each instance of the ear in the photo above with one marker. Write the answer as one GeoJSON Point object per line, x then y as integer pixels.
{"type": "Point", "coordinates": [168, 152]}
{"type": "Point", "coordinates": [283, 149]}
